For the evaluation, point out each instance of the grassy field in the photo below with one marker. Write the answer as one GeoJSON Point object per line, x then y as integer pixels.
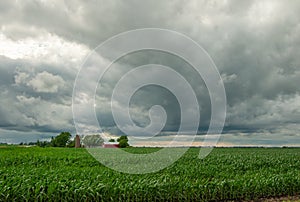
{"type": "Point", "coordinates": [56, 174]}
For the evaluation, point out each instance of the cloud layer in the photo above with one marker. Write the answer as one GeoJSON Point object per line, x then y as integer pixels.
{"type": "Point", "coordinates": [254, 44]}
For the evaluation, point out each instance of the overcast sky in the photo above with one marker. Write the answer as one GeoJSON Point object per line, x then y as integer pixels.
{"type": "Point", "coordinates": [254, 44]}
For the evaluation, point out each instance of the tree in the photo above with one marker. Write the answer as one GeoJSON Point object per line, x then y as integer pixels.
{"type": "Point", "coordinates": [111, 140]}
{"type": "Point", "coordinates": [93, 140]}
{"type": "Point", "coordinates": [43, 143]}
{"type": "Point", "coordinates": [123, 141]}
{"type": "Point", "coordinates": [71, 144]}
{"type": "Point", "coordinates": [123, 137]}
{"type": "Point", "coordinates": [61, 140]}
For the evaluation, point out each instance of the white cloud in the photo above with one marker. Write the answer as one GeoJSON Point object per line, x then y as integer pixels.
{"type": "Point", "coordinates": [228, 78]}
{"type": "Point", "coordinates": [263, 12]}
{"type": "Point", "coordinates": [46, 82]}
{"type": "Point", "coordinates": [47, 48]}
{"type": "Point", "coordinates": [21, 78]}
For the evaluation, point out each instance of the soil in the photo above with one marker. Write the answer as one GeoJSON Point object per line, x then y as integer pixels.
{"type": "Point", "coordinates": [276, 199]}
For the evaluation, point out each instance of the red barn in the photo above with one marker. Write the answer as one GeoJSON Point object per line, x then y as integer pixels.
{"type": "Point", "coordinates": [111, 145]}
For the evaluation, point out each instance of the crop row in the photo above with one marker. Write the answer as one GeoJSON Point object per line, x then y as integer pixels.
{"type": "Point", "coordinates": [55, 174]}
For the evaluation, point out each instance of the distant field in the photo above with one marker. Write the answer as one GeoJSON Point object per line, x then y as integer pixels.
{"type": "Point", "coordinates": [72, 174]}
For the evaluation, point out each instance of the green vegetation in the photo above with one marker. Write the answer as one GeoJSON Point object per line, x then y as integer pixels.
{"type": "Point", "coordinates": [64, 140]}
{"type": "Point", "coordinates": [61, 140]}
{"type": "Point", "coordinates": [59, 174]}
{"type": "Point", "coordinates": [123, 141]}
{"type": "Point", "coordinates": [111, 140]}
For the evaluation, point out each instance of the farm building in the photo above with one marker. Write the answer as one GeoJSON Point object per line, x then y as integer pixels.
{"type": "Point", "coordinates": [111, 145]}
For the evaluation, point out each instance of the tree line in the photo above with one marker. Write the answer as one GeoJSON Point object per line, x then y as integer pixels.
{"type": "Point", "coordinates": [64, 140]}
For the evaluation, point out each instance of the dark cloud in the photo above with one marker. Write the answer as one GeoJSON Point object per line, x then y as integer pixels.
{"type": "Point", "coordinates": [255, 45]}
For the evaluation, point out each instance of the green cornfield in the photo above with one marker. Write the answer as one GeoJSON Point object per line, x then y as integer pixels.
{"type": "Point", "coordinates": [233, 174]}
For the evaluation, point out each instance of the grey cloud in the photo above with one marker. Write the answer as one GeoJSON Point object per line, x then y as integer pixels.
{"type": "Point", "coordinates": [255, 45]}
{"type": "Point", "coordinates": [24, 109]}
{"type": "Point", "coordinates": [89, 22]}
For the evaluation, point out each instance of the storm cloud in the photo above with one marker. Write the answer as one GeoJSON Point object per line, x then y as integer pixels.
{"type": "Point", "coordinates": [254, 44]}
